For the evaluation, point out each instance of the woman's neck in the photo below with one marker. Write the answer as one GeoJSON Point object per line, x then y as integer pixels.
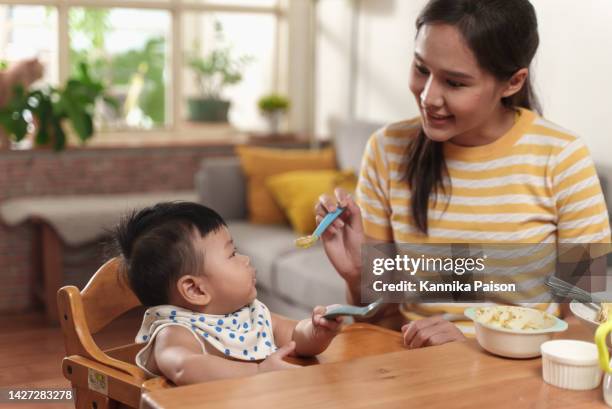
{"type": "Point", "coordinates": [498, 124]}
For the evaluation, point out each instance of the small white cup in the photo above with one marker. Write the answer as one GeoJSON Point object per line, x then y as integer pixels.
{"type": "Point", "coordinates": [570, 364]}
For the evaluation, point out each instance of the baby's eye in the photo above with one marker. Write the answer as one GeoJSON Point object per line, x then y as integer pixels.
{"type": "Point", "coordinates": [455, 84]}
{"type": "Point", "coordinates": [421, 69]}
{"type": "Point", "coordinates": [234, 252]}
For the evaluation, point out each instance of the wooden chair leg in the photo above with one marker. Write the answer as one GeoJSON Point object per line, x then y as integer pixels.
{"type": "Point", "coordinates": [37, 276]}
{"type": "Point", "coordinates": [53, 269]}
{"type": "Point", "coordinates": [88, 399]}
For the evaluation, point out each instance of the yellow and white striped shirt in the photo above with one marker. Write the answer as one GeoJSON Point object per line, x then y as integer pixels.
{"type": "Point", "coordinates": [535, 184]}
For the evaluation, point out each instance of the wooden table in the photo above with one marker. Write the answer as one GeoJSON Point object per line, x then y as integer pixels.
{"type": "Point", "coordinates": [455, 375]}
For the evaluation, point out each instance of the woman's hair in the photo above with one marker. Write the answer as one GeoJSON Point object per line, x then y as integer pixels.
{"type": "Point", "coordinates": [503, 35]}
{"type": "Point", "coordinates": [157, 246]}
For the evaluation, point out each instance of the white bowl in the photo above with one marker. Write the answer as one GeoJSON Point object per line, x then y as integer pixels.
{"type": "Point", "coordinates": [514, 342]}
{"type": "Point", "coordinates": [570, 364]}
{"type": "Point", "coordinates": [587, 315]}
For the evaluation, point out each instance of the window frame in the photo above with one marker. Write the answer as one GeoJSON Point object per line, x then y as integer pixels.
{"type": "Point", "coordinates": [176, 8]}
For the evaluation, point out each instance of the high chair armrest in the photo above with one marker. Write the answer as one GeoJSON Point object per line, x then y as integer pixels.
{"type": "Point", "coordinates": [86, 374]}
{"type": "Point", "coordinates": [156, 383]}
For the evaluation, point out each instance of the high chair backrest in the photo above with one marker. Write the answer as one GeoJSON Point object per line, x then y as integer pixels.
{"type": "Point", "coordinates": [107, 295]}
{"type": "Point", "coordinates": [83, 313]}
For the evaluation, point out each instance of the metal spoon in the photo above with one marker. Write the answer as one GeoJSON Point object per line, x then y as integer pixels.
{"type": "Point", "coordinates": [353, 311]}
{"type": "Point", "coordinates": [562, 288]}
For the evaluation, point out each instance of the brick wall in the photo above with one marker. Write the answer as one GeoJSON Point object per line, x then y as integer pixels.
{"type": "Point", "coordinates": [81, 171]}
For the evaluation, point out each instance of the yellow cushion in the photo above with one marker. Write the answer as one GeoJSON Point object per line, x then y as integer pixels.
{"type": "Point", "coordinates": [297, 193]}
{"type": "Point", "coordinates": [260, 163]}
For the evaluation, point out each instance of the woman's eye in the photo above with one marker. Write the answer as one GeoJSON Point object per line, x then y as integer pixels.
{"type": "Point", "coordinates": [421, 69]}
{"type": "Point", "coordinates": [455, 84]}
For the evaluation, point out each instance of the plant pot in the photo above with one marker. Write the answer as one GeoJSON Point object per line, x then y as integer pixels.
{"type": "Point", "coordinates": [208, 109]}
{"type": "Point", "coordinates": [274, 119]}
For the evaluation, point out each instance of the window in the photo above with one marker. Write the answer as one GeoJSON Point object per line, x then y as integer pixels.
{"type": "Point", "coordinates": [143, 55]}
{"type": "Point", "coordinates": [128, 49]}
{"type": "Point", "coordinates": [27, 32]}
{"type": "Point", "coordinates": [250, 38]}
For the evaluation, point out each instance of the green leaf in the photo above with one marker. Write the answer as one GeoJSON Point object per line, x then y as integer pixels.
{"type": "Point", "coordinates": [42, 136]}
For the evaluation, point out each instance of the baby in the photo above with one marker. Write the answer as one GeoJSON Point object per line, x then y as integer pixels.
{"type": "Point", "coordinates": [204, 321]}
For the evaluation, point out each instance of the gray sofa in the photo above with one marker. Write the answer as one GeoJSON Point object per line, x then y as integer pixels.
{"type": "Point", "coordinates": [291, 281]}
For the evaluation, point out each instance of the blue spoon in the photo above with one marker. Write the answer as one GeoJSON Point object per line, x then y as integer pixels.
{"type": "Point", "coordinates": [307, 241]}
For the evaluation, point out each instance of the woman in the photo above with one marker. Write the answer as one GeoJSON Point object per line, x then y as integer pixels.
{"type": "Point", "coordinates": [478, 165]}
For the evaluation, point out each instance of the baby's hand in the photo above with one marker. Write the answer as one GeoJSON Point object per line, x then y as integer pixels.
{"type": "Point", "coordinates": [325, 325]}
{"type": "Point", "coordinates": [274, 362]}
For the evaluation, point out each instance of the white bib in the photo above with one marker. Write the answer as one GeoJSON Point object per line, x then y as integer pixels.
{"type": "Point", "coordinates": [245, 334]}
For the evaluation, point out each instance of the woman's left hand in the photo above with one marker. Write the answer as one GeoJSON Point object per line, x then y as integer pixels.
{"type": "Point", "coordinates": [429, 332]}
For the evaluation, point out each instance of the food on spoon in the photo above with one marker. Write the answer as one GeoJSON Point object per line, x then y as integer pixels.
{"type": "Point", "coordinates": [306, 241]}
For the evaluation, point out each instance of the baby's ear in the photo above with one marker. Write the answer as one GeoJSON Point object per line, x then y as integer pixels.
{"type": "Point", "coordinates": [194, 290]}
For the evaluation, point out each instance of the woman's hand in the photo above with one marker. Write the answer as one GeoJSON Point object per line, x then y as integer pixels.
{"type": "Point", "coordinates": [429, 332]}
{"type": "Point", "coordinates": [343, 239]}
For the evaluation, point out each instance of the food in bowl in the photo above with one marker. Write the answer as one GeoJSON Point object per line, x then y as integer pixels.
{"type": "Point", "coordinates": [513, 332]}
{"type": "Point", "coordinates": [514, 318]}
{"type": "Point", "coordinates": [604, 313]}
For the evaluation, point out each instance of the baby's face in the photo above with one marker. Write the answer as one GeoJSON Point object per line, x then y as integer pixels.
{"type": "Point", "coordinates": [229, 276]}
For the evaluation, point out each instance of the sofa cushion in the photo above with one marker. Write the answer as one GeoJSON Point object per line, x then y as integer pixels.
{"type": "Point", "coordinates": [307, 278]}
{"type": "Point", "coordinates": [297, 193]}
{"type": "Point", "coordinates": [264, 244]}
{"type": "Point", "coordinates": [221, 186]}
{"type": "Point", "coordinates": [260, 163]}
{"type": "Point", "coordinates": [350, 139]}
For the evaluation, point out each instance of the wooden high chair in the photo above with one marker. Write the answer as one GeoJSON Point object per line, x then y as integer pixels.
{"type": "Point", "coordinates": [101, 379]}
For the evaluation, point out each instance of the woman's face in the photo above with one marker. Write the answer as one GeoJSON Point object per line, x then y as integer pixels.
{"type": "Point", "coordinates": [457, 99]}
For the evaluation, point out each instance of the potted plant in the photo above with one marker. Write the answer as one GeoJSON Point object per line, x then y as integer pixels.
{"type": "Point", "coordinates": [213, 72]}
{"type": "Point", "coordinates": [43, 112]}
{"type": "Point", "coordinates": [273, 107]}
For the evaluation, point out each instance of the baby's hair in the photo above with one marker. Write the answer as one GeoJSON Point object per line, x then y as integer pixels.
{"type": "Point", "coordinates": [156, 245]}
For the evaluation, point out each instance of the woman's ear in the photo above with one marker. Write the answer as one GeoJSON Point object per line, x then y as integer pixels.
{"type": "Point", "coordinates": [516, 82]}
{"type": "Point", "coordinates": [194, 290]}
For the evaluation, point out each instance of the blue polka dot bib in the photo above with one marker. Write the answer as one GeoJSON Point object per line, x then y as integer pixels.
{"type": "Point", "coordinates": [245, 334]}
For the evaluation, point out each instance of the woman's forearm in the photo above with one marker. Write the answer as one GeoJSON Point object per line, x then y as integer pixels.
{"type": "Point", "coordinates": [353, 292]}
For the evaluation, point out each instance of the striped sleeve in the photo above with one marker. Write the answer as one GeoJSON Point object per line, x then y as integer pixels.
{"type": "Point", "coordinates": [582, 216]}
{"type": "Point", "coordinates": [373, 191]}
